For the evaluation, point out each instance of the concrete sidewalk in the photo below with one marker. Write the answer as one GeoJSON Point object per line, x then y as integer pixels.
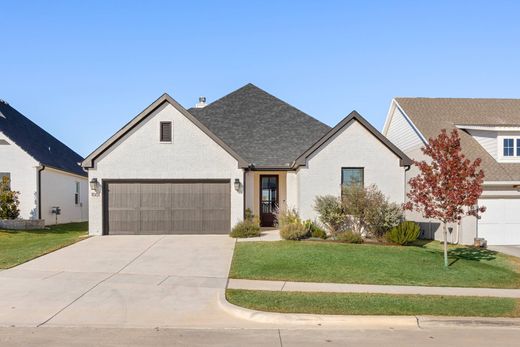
{"type": "Point", "coordinates": [369, 288]}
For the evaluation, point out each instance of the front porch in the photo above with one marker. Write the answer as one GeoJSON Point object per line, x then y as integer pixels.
{"type": "Point", "coordinates": [267, 190]}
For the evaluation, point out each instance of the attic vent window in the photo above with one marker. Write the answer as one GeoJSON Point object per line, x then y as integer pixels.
{"type": "Point", "coordinates": [3, 142]}
{"type": "Point", "coordinates": [166, 132]}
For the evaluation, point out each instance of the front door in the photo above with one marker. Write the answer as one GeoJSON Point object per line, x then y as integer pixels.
{"type": "Point", "coordinates": [268, 199]}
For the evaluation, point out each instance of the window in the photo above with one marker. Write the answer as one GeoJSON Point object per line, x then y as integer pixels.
{"type": "Point", "coordinates": [352, 175]}
{"type": "Point", "coordinates": [166, 132]}
{"type": "Point", "coordinates": [8, 175]}
{"type": "Point", "coordinates": [509, 149]}
{"type": "Point", "coordinates": [76, 194]}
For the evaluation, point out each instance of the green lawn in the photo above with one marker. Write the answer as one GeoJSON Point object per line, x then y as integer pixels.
{"type": "Point", "coordinates": [19, 246]}
{"type": "Point", "coordinates": [374, 304]}
{"type": "Point", "coordinates": [310, 261]}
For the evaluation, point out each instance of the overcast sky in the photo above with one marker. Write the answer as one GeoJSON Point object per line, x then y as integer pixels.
{"type": "Point", "coordinates": [82, 69]}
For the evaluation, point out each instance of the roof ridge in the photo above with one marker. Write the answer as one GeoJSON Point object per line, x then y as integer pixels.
{"type": "Point", "coordinates": [251, 85]}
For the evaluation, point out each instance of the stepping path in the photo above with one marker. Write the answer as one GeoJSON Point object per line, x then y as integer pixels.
{"type": "Point", "coordinates": [287, 286]}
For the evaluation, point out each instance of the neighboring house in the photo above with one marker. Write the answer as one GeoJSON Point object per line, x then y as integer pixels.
{"type": "Point", "coordinates": [172, 170]}
{"type": "Point", "coordinates": [489, 130]}
{"type": "Point", "coordinates": [46, 172]}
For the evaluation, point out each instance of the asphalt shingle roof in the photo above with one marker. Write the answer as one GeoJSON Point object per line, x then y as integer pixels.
{"type": "Point", "coordinates": [431, 115]}
{"type": "Point", "coordinates": [38, 143]}
{"type": "Point", "coordinates": [261, 128]}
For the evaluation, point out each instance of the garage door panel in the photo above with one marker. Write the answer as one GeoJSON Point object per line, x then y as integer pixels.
{"type": "Point", "coordinates": [500, 224]}
{"type": "Point", "coordinates": [169, 208]}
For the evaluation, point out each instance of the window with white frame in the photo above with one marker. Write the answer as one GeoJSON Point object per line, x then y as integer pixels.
{"type": "Point", "coordinates": [509, 148]}
{"type": "Point", "coordinates": [76, 194]}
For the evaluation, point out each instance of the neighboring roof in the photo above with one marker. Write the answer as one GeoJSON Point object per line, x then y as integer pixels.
{"type": "Point", "coordinates": [165, 98]}
{"type": "Point", "coordinates": [354, 116]}
{"type": "Point", "coordinates": [261, 128]}
{"type": "Point", "coordinates": [38, 143]}
{"type": "Point", "coordinates": [431, 115]}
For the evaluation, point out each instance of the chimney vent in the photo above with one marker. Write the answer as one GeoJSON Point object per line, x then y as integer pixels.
{"type": "Point", "coordinates": [201, 103]}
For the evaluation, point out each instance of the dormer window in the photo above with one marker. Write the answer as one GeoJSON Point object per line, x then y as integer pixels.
{"type": "Point", "coordinates": [509, 148]}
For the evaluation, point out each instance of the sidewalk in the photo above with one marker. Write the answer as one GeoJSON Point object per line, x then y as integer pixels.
{"type": "Point", "coordinates": [369, 288]}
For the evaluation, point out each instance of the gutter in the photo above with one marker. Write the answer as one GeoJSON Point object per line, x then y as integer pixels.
{"type": "Point", "coordinates": [39, 187]}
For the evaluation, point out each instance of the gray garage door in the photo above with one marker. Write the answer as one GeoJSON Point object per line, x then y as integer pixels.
{"type": "Point", "coordinates": [191, 207]}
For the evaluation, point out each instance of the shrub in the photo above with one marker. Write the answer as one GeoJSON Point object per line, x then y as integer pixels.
{"type": "Point", "coordinates": [388, 216]}
{"type": "Point", "coordinates": [404, 233]}
{"type": "Point", "coordinates": [350, 237]}
{"type": "Point", "coordinates": [314, 229]}
{"type": "Point", "coordinates": [330, 213]}
{"type": "Point", "coordinates": [8, 201]}
{"type": "Point", "coordinates": [369, 211]}
{"type": "Point", "coordinates": [294, 231]}
{"type": "Point", "coordinates": [246, 228]}
{"type": "Point", "coordinates": [286, 216]}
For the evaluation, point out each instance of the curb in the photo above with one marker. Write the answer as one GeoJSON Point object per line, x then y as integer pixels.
{"type": "Point", "coordinates": [375, 322]}
{"type": "Point", "coordinates": [364, 322]}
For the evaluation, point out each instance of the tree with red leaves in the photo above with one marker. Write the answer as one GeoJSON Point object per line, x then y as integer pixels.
{"type": "Point", "coordinates": [447, 188]}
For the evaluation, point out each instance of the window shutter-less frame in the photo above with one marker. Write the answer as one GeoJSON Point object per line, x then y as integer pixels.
{"type": "Point", "coordinates": [166, 132]}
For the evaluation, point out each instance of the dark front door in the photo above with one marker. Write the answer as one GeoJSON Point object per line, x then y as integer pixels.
{"type": "Point", "coordinates": [268, 199]}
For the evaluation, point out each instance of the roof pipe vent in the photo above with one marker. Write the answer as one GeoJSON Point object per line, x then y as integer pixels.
{"type": "Point", "coordinates": [201, 103]}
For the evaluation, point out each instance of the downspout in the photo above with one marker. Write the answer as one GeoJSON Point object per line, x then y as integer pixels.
{"type": "Point", "coordinates": [244, 195]}
{"type": "Point", "coordinates": [39, 187]}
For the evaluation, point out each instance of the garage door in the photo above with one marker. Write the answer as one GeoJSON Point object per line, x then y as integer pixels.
{"type": "Point", "coordinates": [187, 207]}
{"type": "Point", "coordinates": [500, 224]}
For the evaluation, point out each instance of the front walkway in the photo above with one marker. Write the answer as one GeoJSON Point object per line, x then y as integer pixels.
{"type": "Point", "coordinates": [286, 286]}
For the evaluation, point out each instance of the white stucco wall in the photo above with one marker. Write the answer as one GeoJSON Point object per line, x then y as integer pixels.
{"type": "Point", "coordinates": [23, 170]}
{"type": "Point", "coordinates": [58, 189]}
{"type": "Point", "coordinates": [140, 155]}
{"type": "Point", "coordinates": [354, 146]}
{"type": "Point", "coordinates": [292, 190]}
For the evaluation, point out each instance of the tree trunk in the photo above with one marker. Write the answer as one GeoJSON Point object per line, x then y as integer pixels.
{"type": "Point", "coordinates": [445, 237]}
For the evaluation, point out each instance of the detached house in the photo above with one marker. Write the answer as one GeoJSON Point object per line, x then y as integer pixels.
{"type": "Point", "coordinates": [46, 172]}
{"type": "Point", "coordinates": [171, 170]}
{"type": "Point", "coordinates": [490, 130]}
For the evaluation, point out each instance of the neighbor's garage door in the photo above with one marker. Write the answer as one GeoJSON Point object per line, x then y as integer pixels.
{"type": "Point", "coordinates": [500, 224]}
{"type": "Point", "coordinates": [192, 207]}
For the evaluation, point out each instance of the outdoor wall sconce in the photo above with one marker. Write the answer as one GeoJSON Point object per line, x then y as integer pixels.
{"type": "Point", "coordinates": [93, 184]}
{"type": "Point", "coordinates": [237, 184]}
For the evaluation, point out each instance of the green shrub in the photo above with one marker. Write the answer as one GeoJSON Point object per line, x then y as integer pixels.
{"type": "Point", "coordinates": [246, 228]}
{"type": "Point", "coordinates": [404, 233]}
{"type": "Point", "coordinates": [331, 213]}
{"type": "Point", "coordinates": [294, 231]}
{"type": "Point", "coordinates": [350, 237]}
{"type": "Point", "coordinates": [314, 229]}
{"type": "Point", "coordinates": [286, 216]}
{"type": "Point", "coordinates": [9, 201]}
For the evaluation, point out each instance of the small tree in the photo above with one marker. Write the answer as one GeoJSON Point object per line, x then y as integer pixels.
{"type": "Point", "coordinates": [447, 188]}
{"type": "Point", "coordinates": [8, 201]}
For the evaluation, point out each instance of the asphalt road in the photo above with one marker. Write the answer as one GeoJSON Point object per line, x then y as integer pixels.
{"type": "Point", "coordinates": [73, 337]}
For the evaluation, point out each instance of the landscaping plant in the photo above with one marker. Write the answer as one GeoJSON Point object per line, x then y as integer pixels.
{"type": "Point", "coordinates": [404, 233]}
{"type": "Point", "coordinates": [350, 237]}
{"type": "Point", "coordinates": [449, 186]}
{"type": "Point", "coordinates": [8, 200]}
{"type": "Point", "coordinates": [249, 227]}
{"type": "Point", "coordinates": [294, 231]}
{"type": "Point", "coordinates": [315, 230]}
{"type": "Point", "coordinates": [330, 213]}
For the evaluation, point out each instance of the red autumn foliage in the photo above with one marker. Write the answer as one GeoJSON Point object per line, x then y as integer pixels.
{"type": "Point", "coordinates": [449, 187]}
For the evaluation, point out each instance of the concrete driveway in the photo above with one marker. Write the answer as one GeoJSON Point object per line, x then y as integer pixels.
{"type": "Point", "coordinates": [122, 281]}
{"type": "Point", "coordinates": [511, 250]}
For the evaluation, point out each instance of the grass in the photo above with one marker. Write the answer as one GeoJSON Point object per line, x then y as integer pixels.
{"type": "Point", "coordinates": [374, 304]}
{"type": "Point", "coordinates": [19, 246]}
{"type": "Point", "coordinates": [422, 264]}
